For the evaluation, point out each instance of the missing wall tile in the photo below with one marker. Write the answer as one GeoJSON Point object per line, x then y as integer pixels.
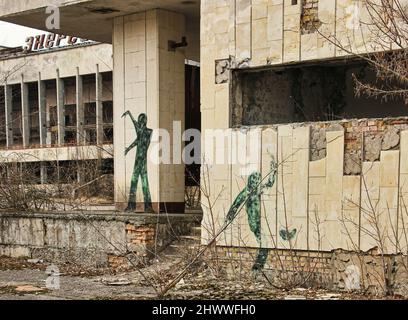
{"type": "Point", "coordinates": [310, 16]}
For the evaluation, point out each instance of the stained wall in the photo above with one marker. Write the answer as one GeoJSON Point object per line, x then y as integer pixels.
{"type": "Point", "coordinates": [242, 34]}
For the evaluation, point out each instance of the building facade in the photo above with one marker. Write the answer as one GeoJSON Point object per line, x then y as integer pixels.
{"type": "Point", "coordinates": [280, 94]}
{"type": "Point", "coordinates": [57, 108]}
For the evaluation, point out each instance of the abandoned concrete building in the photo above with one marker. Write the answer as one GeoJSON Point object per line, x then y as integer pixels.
{"type": "Point", "coordinates": [279, 90]}
{"type": "Point", "coordinates": [57, 106]}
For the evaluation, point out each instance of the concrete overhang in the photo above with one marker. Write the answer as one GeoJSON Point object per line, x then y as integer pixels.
{"type": "Point", "coordinates": [90, 19]}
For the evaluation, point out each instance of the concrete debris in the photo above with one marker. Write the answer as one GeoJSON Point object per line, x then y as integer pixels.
{"type": "Point", "coordinates": [391, 139]}
{"type": "Point", "coordinates": [318, 145]}
{"type": "Point", "coordinates": [352, 164]}
{"type": "Point", "coordinates": [222, 78]}
{"type": "Point", "coordinates": [295, 297]}
{"type": "Point", "coordinates": [35, 261]}
{"type": "Point", "coordinates": [245, 63]}
{"type": "Point", "coordinates": [372, 148]}
{"type": "Point", "coordinates": [328, 296]}
{"type": "Point", "coordinates": [222, 71]}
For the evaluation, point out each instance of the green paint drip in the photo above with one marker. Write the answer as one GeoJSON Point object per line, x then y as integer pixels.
{"type": "Point", "coordinates": [142, 142]}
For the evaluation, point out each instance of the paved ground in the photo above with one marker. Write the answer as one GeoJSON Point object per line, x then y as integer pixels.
{"type": "Point", "coordinates": [21, 279]}
{"type": "Point", "coordinates": [70, 287]}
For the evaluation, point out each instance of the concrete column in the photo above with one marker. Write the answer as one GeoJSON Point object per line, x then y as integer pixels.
{"type": "Point", "coordinates": [48, 121]}
{"type": "Point", "coordinates": [25, 113]}
{"type": "Point", "coordinates": [60, 109]}
{"type": "Point", "coordinates": [8, 174]}
{"type": "Point", "coordinates": [148, 79]}
{"type": "Point", "coordinates": [8, 103]}
{"type": "Point", "coordinates": [99, 115]}
{"type": "Point", "coordinates": [99, 107]}
{"type": "Point", "coordinates": [80, 173]}
{"type": "Point", "coordinates": [43, 173]}
{"type": "Point", "coordinates": [42, 111]}
{"type": "Point", "coordinates": [80, 108]}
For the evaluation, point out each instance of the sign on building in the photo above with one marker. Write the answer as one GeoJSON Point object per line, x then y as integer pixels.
{"type": "Point", "coordinates": [51, 40]}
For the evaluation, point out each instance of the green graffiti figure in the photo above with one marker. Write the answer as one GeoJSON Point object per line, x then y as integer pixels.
{"type": "Point", "coordinates": [142, 142]}
{"type": "Point", "coordinates": [251, 196]}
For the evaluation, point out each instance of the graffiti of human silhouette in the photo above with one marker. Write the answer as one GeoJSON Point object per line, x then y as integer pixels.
{"type": "Point", "coordinates": [142, 142]}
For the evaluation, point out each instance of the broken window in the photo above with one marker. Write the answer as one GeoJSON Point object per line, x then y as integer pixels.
{"type": "Point", "coordinates": [306, 93]}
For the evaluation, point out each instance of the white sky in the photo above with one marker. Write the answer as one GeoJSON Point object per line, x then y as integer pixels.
{"type": "Point", "coordinates": [12, 35]}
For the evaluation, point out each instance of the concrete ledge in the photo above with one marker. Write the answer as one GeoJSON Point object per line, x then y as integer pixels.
{"type": "Point", "coordinates": [140, 218]}
{"type": "Point", "coordinates": [90, 238]}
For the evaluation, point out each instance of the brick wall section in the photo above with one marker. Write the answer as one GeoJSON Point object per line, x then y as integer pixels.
{"type": "Point", "coordinates": [279, 261]}
{"type": "Point", "coordinates": [371, 135]}
{"type": "Point", "coordinates": [356, 129]}
{"type": "Point", "coordinates": [116, 262]}
{"type": "Point", "coordinates": [140, 235]}
{"type": "Point", "coordinates": [330, 270]}
{"type": "Point", "coordinates": [310, 19]}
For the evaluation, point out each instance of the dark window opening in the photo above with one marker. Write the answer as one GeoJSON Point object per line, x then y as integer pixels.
{"type": "Point", "coordinates": [107, 135]}
{"type": "Point", "coordinates": [16, 117]}
{"type": "Point", "coordinates": [90, 113]}
{"type": "Point", "coordinates": [107, 166]}
{"type": "Point", "coordinates": [107, 113]}
{"type": "Point", "coordinates": [90, 135]}
{"type": "Point", "coordinates": [51, 111]}
{"type": "Point", "coordinates": [107, 119]}
{"type": "Point", "coordinates": [324, 92]}
{"type": "Point", "coordinates": [34, 122]}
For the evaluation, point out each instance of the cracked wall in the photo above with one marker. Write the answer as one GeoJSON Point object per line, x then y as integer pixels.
{"type": "Point", "coordinates": [331, 179]}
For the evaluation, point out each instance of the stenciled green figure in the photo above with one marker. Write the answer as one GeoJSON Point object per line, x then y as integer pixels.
{"type": "Point", "coordinates": [142, 142]}
{"type": "Point", "coordinates": [251, 196]}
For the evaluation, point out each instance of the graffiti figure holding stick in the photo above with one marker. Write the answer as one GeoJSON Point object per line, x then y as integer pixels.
{"type": "Point", "coordinates": [142, 142]}
{"type": "Point", "coordinates": [250, 197]}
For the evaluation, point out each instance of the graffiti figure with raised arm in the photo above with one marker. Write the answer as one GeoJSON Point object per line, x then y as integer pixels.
{"type": "Point", "coordinates": [142, 143]}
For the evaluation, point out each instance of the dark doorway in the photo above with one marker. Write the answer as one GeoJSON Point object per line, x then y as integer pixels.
{"type": "Point", "coordinates": [192, 121]}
